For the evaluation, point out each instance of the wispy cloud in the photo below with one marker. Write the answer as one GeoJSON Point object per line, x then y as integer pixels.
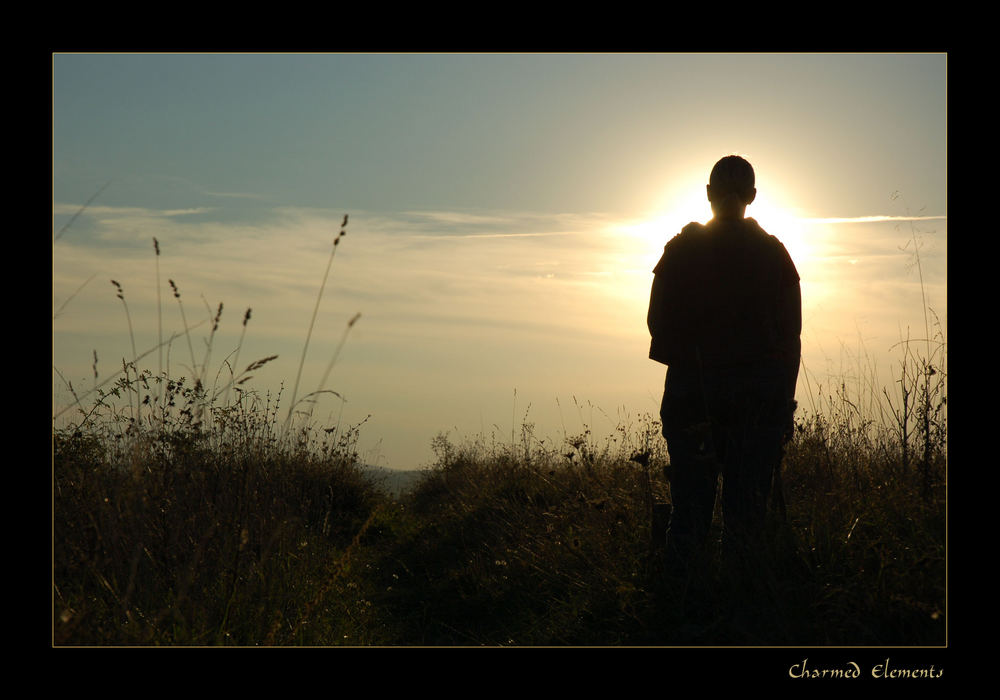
{"type": "Point", "coordinates": [452, 217]}
{"type": "Point", "coordinates": [109, 211]}
{"type": "Point", "coordinates": [494, 225]}
{"type": "Point", "coordinates": [183, 212]}
{"type": "Point", "coordinates": [236, 195]}
{"type": "Point", "coordinates": [533, 234]}
{"type": "Point", "coordinates": [868, 219]}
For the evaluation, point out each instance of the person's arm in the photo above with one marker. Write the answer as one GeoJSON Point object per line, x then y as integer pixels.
{"type": "Point", "coordinates": [656, 296]}
{"type": "Point", "coordinates": [657, 317]}
{"type": "Point", "coordinates": [792, 326]}
{"type": "Point", "coordinates": [666, 318]}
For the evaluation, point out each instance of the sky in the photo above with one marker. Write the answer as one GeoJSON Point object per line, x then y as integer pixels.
{"type": "Point", "coordinates": [505, 212]}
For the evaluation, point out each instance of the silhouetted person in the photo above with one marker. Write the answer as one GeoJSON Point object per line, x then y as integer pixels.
{"type": "Point", "coordinates": [725, 316]}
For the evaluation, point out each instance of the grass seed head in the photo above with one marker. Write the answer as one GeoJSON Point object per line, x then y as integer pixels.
{"type": "Point", "coordinates": [218, 315]}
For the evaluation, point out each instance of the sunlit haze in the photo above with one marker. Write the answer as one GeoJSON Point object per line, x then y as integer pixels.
{"type": "Point", "coordinates": [505, 214]}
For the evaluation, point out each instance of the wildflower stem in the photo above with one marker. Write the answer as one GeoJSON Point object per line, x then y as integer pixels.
{"type": "Point", "coordinates": [312, 322]}
{"type": "Point", "coordinates": [336, 354]}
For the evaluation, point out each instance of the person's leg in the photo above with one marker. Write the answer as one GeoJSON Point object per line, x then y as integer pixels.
{"type": "Point", "coordinates": [693, 471]}
{"type": "Point", "coordinates": [754, 452]}
{"type": "Point", "coordinates": [693, 478]}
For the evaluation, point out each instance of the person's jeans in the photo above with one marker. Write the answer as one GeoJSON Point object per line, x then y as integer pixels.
{"type": "Point", "coordinates": [729, 422]}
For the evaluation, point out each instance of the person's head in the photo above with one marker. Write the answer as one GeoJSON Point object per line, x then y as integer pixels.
{"type": "Point", "coordinates": [731, 187]}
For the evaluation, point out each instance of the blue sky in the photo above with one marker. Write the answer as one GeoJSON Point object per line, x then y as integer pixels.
{"type": "Point", "coordinates": [504, 210]}
{"type": "Point", "coordinates": [512, 132]}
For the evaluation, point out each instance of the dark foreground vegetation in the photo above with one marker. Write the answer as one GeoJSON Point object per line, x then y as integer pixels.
{"type": "Point", "coordinates": [212, 527]}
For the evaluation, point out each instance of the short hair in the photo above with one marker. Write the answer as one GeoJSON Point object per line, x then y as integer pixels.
{"type": "Point", "coordinates": [732, 174]}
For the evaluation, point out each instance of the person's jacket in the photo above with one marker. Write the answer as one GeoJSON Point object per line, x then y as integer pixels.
{"type": "Point", "coordinates": [725, 294]}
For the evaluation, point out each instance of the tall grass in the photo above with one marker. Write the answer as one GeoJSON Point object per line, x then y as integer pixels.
{"type": "Point", "coordinates": [183, 517]}
{"type": "Point", "coordinates": [192, 535]}
{"type": "Point", "coordinates": [537, 543]}
{"type": "Point", "coordinates": [312, 323]}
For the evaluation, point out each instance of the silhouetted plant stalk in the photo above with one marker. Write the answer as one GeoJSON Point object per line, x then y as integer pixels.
{"type": "Point", "coordinates": [187, 333]}
{"type": "Point", "coordinates": [920, 271]}
{"type": "Point", "coordinates": [97, 387]}
{"type": "Point", "coordinates": [333, 360]}
{"type": "Point", "coordinates": [208, 348]}
{"type": "Point", "coordinates": [920, 386]}
{"type": "Point", "coordinates": [159, 313]}
{"type": "Point", "coordinates": [69, 384]}
{"type": "Point", "coordinates": [121, 295]}
{"type": "Point", "coordinates": [128, 318]}
{"type": "Point", "coordinates": [312, 322]}
{"type": "Point", "coordinates": [61, 232]}
{"type": "Point", "coordinates": [237, 379]}
{"type": "Point", "coordinates": [62, 306]}
{"type": "Point", "coordinates": [236, 358]}
{"type": "Point", "coordinates": [245, 375]}
{"type": "Point", "coordinates": [80, 211]}
{"type": "Point", "coordinates": [919, 415]}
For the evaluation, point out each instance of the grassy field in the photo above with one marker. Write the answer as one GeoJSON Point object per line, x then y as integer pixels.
{"type": "Point", "coordinates": [192, 515]}
{"type": "Point", "coordinates": [224, 532]}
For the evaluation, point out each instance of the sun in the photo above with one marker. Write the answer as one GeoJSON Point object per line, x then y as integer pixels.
{"type": "Point", "coordinates": [772, 209]}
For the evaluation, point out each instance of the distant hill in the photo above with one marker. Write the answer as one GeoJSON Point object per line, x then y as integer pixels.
{"type": "Point", "coordinates": [395, 481]}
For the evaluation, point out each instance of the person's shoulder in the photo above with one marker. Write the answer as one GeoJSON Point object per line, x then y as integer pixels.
{"type": "Point", "coordinates": [688, 233]}
{"type": "Point", "coordinates": [754, 227]}
{"type": "Point", "coordinates": [776, 249]}
{"type": "Point", "coordinates": [680, 246]}
{"type": "Point", "coordinates": [757, 229]}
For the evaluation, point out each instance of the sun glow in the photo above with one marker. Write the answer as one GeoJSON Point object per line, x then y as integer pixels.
{"type": "Point", "coordinates": [770, 209]}
{"type": "Point", "coordinates": [781, 220]}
